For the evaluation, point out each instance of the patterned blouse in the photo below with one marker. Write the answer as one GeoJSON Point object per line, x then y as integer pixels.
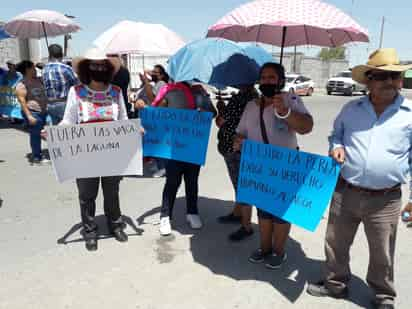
{"type": "Point", "coordinates": [85, 105]}
{"type": "Point", "coordinates": [232, 114]}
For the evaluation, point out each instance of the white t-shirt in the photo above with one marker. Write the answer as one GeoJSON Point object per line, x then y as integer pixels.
{"type": "Point", "coordinates": [87, 105]}
{"type": "Point", "coordinates": [277, 130]}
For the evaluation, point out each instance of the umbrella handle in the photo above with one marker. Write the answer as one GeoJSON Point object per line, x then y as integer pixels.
{"type": "Point", "coordinates": [45, 35]}
{"type": "Point", "coordinates": [283, 43]}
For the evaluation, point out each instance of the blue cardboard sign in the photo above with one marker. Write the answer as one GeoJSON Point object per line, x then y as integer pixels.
{"type": "Point", "coordinates": [178, 134]}
{"type": "Point", "coordinates": [293, 185]}
{"type": "Point", "coordinates": [9, 105]}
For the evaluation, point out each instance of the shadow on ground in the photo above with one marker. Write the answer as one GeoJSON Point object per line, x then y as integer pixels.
{"type": "Point", "coordinates": [103, 230]}
{"type": "Point", "coordinates": [211, 248]}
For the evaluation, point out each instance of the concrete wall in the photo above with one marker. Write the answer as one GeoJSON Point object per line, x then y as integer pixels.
{"type": "Point", "coordinates": [313, 67]}
{"type": "Point", "coordinates": [13, 49]}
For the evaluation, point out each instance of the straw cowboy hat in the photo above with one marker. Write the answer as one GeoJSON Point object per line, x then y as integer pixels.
{"type": "Point", "coordinates": [384, 59]}
{"type": "Point", "coordinates": [96, 54]}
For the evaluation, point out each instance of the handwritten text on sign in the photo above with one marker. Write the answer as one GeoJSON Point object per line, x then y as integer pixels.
{"type": "Point", "coordinates": [97, 149]}
{"type": "Point", "coordinates": [177, 134]}
{"type": "Point", "coordinates": [293, 185]}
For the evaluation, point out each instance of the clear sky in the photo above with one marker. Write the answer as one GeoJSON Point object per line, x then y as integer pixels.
{"type": "Point", "coordinates": [190, 19]}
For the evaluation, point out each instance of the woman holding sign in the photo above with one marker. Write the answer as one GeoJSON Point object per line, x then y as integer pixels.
{"type": "Point", "coordinates": [178, 95]}
{"type": "Point", "coordinates": [96, 100]}
{"type": "Point", "coordinates": [274, 118]}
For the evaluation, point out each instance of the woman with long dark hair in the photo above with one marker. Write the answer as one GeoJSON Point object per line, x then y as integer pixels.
{"type": "Point", "coordinates": [33, 101]}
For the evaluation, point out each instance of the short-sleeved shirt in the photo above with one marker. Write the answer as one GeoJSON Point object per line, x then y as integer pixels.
{"type": "Point", "coordinates": [231, 114]}
{"type": "Point", "coordinates": [57, 79]}
{"type": "Point", "coordinates": [36, 99]}
{"type": "Point", "coordinates": [277, 130]}
{"type": "Point", "coordinates": [85, 105]}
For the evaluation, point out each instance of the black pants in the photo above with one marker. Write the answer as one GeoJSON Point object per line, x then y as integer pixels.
{"type": "Point", "coordinates": [175, 170]}
{"type": "Point", "coordinates": [88, 189]}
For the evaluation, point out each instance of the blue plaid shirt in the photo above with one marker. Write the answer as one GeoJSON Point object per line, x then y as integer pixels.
{"type": "Point", "coordinates": [58, 78]}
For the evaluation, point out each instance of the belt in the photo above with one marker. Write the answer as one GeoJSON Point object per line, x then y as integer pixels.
{"type": "Point", "coordinates": [384, 191]}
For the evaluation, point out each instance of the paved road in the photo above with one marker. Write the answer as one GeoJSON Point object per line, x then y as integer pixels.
{"type": "Point", "coordinates": [186, 270]}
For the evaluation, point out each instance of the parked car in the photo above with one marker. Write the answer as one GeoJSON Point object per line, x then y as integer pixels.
{"type": "Point", "coordinates": [299, 84]}
{"type": "Point", "coordinates": [343, 83]}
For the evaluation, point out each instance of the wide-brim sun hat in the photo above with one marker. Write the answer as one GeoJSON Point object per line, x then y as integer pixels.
{"type": "Point", "coordinates": [383, 59]}
{"type": "Point", "coordinates": [94, 54]}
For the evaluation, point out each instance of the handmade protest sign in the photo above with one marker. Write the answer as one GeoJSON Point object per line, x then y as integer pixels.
{"type": "Point", "coordinates": [177, 134]}
{"type": "Point", "coordinates": [9, 105]}
{"type": "Point", "coordinates": [96, 149]}
{"type": "Point", "coordinates": [293, 185]}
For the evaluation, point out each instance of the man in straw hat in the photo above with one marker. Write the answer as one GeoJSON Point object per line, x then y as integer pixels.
{"type": "Point", "coordinates": [371, 139]}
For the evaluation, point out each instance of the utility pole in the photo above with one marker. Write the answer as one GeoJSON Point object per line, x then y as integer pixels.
{"type": "Point", "coordinates": [382, 29]}
{"type": "Point", "coordinates": [294, 60]}
{"type": "Point", "coordinates": [67, 37]}
{"type": "Point", "coordinates": [348, 53]}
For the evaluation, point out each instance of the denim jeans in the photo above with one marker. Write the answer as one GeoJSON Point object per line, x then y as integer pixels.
{"type": "Point", "coordinates": [160, 163]}
{"type": "Point", "coordinates": [34, 131]}
{"type": "Point", "coordinates": [175, 171]}
{"type": "Point", "coordinates": [56, 111]}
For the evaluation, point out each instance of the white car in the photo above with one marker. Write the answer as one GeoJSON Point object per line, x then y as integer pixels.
{"type": "Point", "coordinates": [343, 83]}
{"type": "Point", "coordinates": [299, 84]}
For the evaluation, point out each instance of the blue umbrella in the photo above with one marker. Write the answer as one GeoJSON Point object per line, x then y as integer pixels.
{"type": "Point", "coordinates": [218, 62]}
{"type": "Point", "coordinates": [3, 34]}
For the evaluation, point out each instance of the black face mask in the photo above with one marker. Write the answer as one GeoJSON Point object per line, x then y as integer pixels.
{"type": "Point", "coordinates": [155, 78]}
{"type": "Point", "coordinates": [269, 90]}
{"type": "Point", "coordinates": [100, 76]}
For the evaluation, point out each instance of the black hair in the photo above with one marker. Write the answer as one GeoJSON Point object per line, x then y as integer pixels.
{"type": "Point", "coordinates": [163, 72]}
{"type": "Point", "coordinates": [23, 66]}
{"type": "Point", "coordinates": [280, 72]}
{"type": "Point", "coordinates": [55, 51]}
{"type": "Point", "coordinates": [83, 72]}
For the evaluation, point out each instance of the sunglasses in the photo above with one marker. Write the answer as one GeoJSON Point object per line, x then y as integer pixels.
{"type": "Point", "coordinates": [384, 76]}
{"type": "Point", "coordinates": [98, 66]}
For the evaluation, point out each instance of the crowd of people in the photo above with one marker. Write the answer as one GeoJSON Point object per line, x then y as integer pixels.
{"type": "Point", "coordinates": [371, 138]}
